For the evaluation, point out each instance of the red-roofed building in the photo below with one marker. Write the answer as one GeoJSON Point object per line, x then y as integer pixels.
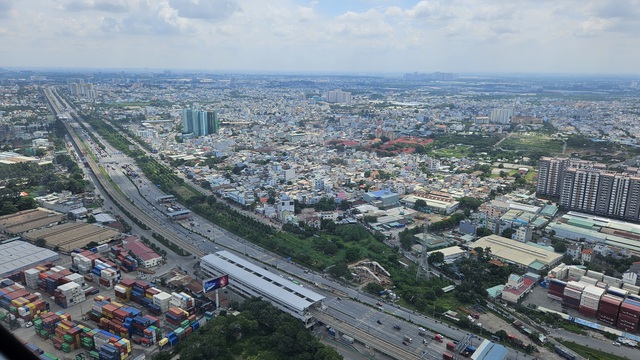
{"type": "Point", "coordinates": [516, 288]}
{"type": "Point", "coordinates": [587, 255]}
{"type": "Point", "coordinates": [147, 257]}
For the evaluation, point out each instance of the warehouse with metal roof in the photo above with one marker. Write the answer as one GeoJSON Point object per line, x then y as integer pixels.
{"type": "Point", "coordinates": [251, 280]}
{"type": "Point", "coordinates": [488, 350]}
{"type": "Point", "coordinates": [28, 220]}
{"type": "Point", "coordinates": [20, 255]}
{"type": "Point", "coordinates": [597, 229]}
{"type": "Point", "coordinates": [533, 258]}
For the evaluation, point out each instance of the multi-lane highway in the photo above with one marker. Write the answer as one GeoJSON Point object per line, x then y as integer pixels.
{"type": "Point", "coordinates": [353, 312]}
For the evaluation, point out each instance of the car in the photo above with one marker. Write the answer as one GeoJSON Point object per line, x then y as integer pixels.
{"type": "Point", "coordinates": [379, 322]}
{"type": "Point", "coordinates": [421, 329]}
{"type": "Point", "coordinates": [339, 298]}
{"type": "Point", "coordinates": [405, 343]}
{"type": "Point", "coordinates": [397, 327]}
{"type": "Point", "coordinates": [379, 303]}
{"type": "Point", "coordinates": [28, 324]}
{"type": "Point", "coordinates": [615, 343]}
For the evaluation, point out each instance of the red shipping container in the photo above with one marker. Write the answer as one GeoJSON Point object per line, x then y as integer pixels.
{"type": "Point", "coordinates": [126, 282]}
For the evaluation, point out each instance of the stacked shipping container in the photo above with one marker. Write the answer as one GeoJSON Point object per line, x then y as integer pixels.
{"type": "Point", "coordinates": [590, 300]}
{"type": "Point", "coordinates": [608, 309]}
{"type": "Point", "coordinates": [572, 294]}
{"type": "Point", "coordinates": [629, 315]}
{"type": "Point", "coordinates": [556, 289]}
{"type": "Point", "coordinates": [122, 258]}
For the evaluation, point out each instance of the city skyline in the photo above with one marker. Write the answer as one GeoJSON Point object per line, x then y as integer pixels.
{"type": "Point", "coordinates": [351, 36]}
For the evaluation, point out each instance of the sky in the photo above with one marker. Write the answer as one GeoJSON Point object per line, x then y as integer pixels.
{"type": "Point", "coordinates": [335, 36]}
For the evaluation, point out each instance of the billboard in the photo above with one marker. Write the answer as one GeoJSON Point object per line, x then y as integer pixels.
{"type": "Point", "coordinates": [216, 283]}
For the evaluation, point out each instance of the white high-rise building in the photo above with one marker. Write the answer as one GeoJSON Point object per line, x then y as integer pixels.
{"type": "Point", "coordinates": [339, 97]}
{"type": "Point", "coordinates": [501, 116]}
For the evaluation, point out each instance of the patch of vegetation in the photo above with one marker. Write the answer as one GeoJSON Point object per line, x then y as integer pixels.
{"type": "Point", "coordinates": [260, 331]}
{"type": "Point", "coordinates": [590, 353]}
{"type": "Point", "coordinates": [173, 247]}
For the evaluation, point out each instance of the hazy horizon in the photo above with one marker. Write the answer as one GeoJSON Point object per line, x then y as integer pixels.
{"type": "Point", "coordinates": [573, 37]}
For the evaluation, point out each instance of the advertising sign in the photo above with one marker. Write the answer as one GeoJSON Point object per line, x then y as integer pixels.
{"type": "Point", "coordinates": [217, 283]}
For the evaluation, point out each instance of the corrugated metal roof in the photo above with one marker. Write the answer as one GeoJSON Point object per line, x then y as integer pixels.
{"type": "Point", "coordinates": [273, 286]}
{"type": "Point", "coordinates": [586, 224]}
{"type": "Point", "coordinates": [20, 255]}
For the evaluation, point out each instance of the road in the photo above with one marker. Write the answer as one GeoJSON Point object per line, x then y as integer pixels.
{"type": "Point", "coordinates": [137, 195]}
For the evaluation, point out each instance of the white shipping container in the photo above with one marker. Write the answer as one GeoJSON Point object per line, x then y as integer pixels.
{"type": "Point", "coordinates": [162, 299]}
{"type": "Point", "coordinates": [587, 281]}
{"type": "Point", "coordinates": [590, 303]}
{"type": "Point", "coordinates": [632, 289]}
{"type": "Point", "coordinates": [576, 271]}
{"type": "Point", "coordinates": [102, 247]}
{"type": "Point", "coordinates": [594, 290]}
{"type": "Point", "coordinates": [572, 293]}
{"type": "Point", "coordinates": [575, 285]}
{"type": "Point", "coordinates": [595, 275]}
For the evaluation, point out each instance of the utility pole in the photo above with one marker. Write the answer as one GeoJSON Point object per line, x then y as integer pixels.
{"type": "Point", "coordinates": [423, 264]}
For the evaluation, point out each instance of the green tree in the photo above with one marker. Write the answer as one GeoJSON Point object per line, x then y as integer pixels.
{"type": "Point", "coordinates": [370, 218]}
{"type": "Point", "coordinates": [560, 247]}
{"type": "Point", "coordinates": [163, 355]}
{"type": "Point", "coordinates": [471, 203]}
{"type": "Point", "coordinates": [353, 253]}
{"type": "Point", "coordinates": [508, 232]}
{"type": "Point", "coordinates": [8, 208]}
{"type": "Point", "coordinates": [436, 257]}
{"type": "Point", "coordinates": [26, 203]}
{"type": "Point", "coordinates": [338, 270]}
{"type": "Point", "coordinates": [373, 288]}
{"type": "Point", "coordinates": [91, 219]}
{"type": "Point", "coordinates": [420, 204]}
{"type": "Point", "coordinates": [406, 239]}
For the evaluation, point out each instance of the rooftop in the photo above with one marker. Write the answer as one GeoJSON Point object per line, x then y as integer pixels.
{"type": "Point", "coordinates": [517, 252]}
{"type": "Point", "coordinates": [274, 286]}
{"type": "Point", "coordinates": [140, 250]}
{"type": "Point", "coordinates": [19, 255]}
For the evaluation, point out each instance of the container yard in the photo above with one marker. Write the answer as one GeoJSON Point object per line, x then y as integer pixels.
{"type": "Point", "coordinates": [128, 318]}
{"type": "Point", "coordinates": [596, 295]}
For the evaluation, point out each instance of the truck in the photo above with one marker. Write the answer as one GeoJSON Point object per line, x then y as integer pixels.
{"type": "Point", "coordinates": [474, 315]}
{"type": "Point", "coordinates": [564, 353]}
{"type": "Point", "coordinates": [438, 338]}
{"type": "Point", "coordinates": [451, 346]}
{"type": "Point", "coordinates": [347, 339]}
{"type": "Point", "coordinates": [331, 331]}
{"type": "Point", "coordinates": [447, 356]}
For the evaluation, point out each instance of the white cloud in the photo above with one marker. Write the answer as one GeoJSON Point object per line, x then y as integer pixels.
{"type": "Point", "coordinates": [205, 9]}
{"type": "Point", "coordinates": [112, 6]}
{"type": "Point", "coordinates": [361, 35]}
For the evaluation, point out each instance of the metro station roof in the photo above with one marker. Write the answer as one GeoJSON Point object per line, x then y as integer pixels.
{"type": "Point", "coordinates": [264, 281]}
